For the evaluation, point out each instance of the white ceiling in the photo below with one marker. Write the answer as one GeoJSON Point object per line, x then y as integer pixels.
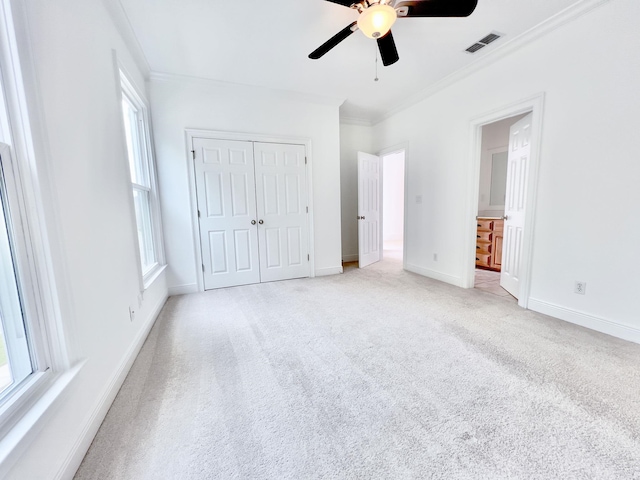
{"type": "Point", "coordinates": [266, 44]}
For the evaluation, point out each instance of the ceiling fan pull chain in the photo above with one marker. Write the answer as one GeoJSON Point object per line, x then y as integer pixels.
{"type": "Point", "coordinates": [376, 79]}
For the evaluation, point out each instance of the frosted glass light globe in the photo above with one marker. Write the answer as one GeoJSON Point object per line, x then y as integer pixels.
{"type": "Point", "coordinates": [377, 20]}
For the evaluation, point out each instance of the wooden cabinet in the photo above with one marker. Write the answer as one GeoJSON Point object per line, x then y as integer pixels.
{"type": "Point", "coordinates": [489, 243]}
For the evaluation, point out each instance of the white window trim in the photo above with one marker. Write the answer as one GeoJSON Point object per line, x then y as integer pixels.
{"type": "Point", "coordinates": [139, 101]}
{"type": "Point", "coordinates": [26, 407]}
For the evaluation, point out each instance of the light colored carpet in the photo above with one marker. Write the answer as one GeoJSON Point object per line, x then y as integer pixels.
{"type": "Point", "coordinates": [374, 374]}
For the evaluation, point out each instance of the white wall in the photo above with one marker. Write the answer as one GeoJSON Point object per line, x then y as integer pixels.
{"type": "Point", "coordinates": [180, 103]}
{"type": "Point", "coordinates": [87, 197]}
{"type": "Point", "coordinates": [353, 139]}
{"type": "Point", "coordinates": [393, 197]}
{"type": "Point", "coordinates": [585, 227]}
{"type": "Point", "coordinates": [495, 136]}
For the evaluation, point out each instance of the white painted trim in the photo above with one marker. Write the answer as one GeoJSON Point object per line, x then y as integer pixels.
{"type": "Point", "coordinates": [534, 104]}
{"type": "Point", "coordinates": [434, 274]}
{"type": "Point", "coordinates": [18, 439]}
{"type": "Point", "coordinates": [361, 122]}
{"type": "Point", "coordinates": [183, 289]}
{"type": "Point", "coordinates": [350, 258]}
{"type": "Point", "coordinates": [123, 25]}
{"type": "Point", "coordinates": [263, 91]}
{"type": "Point", "coordinates": [615, 329]}
{"type": "Point", "coordinates": [31, 146]}
{"type": "Point", "coordinates": [323, 272]}
{"type": "Point", "coordinates": [500, 51]}
{"type": "Point", "coordinates": [191, 133]}
{"type": "Point", "coordinates": [96, 416]}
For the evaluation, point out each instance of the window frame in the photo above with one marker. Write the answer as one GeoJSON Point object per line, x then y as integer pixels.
{"type": "Point", "coordinates": [24, 405]}
{"type": "Point", "coordinates": [128, 92]}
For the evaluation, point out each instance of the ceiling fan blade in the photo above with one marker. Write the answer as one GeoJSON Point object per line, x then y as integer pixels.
{"type": "Point", "coordinates": [346, 3]}
{"type": "Point", "coordinates": [388, 50]}
{"type": "Point", "coordinates": [436, 8]}
{"type": "Point", "coordinates": [332, 42]}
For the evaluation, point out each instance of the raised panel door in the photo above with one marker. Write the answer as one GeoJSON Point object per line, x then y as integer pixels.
{"type": "Point", "coordinates": [282, 211]}
{"type": "Point", "coordinates": [517, 173]}
{"type": "Point", "coordinates": [225, 194]}
{"type": "Point", "coordinates": [368, 209]}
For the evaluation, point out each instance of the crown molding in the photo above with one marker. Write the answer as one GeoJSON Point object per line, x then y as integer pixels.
{"type": "Point", "coordinates": [563, 17]}
{"type": "Point", "coordinates": [361, 122]}
{"type": "Point", "coordinates": [272, 92]}
{"type": "Point", "coordinates": [123, 25]}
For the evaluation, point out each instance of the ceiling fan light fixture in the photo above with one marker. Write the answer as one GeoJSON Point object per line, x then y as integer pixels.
{"type": "Point", "coordinates": [377, 20]}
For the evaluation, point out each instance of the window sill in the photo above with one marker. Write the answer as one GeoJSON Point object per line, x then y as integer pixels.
{"type": "Point", "coordinates": [152, 275]}
{"type": "Point", "coordinates": [18, 438]}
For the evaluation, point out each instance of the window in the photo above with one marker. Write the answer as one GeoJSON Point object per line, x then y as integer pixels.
{"type": "Point", "coordinates": [15, 356]}
{"type": "Point", "coordinates": [141, 168]}
{"type": "Point", "coordinates": [34, 361]}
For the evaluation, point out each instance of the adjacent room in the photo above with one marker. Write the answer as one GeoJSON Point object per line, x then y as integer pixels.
{"type": "Point", "coordinates": [320, 239]}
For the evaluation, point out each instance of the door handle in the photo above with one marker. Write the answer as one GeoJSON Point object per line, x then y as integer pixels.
{"type": "Point", "coordinates": [506, 217]}
{"type": "Point", "coordinates": [260, 222]}
{"type": "Point", "coordinates": [361, 218]}
{"type": "Point", "coordinates": [253, 222]}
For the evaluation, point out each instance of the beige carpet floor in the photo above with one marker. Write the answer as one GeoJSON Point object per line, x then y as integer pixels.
{"type": "Point", "coordinates": [374, 374]}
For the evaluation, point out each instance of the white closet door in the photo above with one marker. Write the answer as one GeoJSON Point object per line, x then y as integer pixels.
{"type": "Point", "coordinates": [224, 172]}
{"type": "Point", "coordinates": [281, 190]}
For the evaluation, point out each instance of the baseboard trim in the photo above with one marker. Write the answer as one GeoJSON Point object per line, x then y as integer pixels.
{"type": "Point", "coordinates": [601, 325]}
{"type": "Point", "coordinates": [350, 258]}
{"type": "Point", "coordinates": [323, 272]}
{"type": "Point", "coordinates": [426, 272]}
{"type": "Point", "coordinates": [183, 289]}
{"type": "Point", "coordinates": [95, 419]}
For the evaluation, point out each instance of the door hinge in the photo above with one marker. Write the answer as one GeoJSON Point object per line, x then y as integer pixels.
{"type": "Point", "coordinates": [198, 213]}
{"type": "Point", "coordinates": [305, 160]}
{"type": "Point", "coordinates": [203, 268]}
{"type": "Point", "coordinates": [307, 209]}
{"type": "Point", "coordinates": [308, 257]}
{"type": "Point", "coordinates": [193, 154]}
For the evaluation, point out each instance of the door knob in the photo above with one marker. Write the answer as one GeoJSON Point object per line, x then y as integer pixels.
{"type": "Point", "coordinates": [253, 222]}
{"type": "Point", "coordinates": [362, 217]}
{"type": "Point", "coordinates": [506, 217]}
{"type": "Point", "coordinates": [260, 222]}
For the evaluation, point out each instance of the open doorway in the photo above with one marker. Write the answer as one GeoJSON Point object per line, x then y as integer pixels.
{"type": "Point", "coordinates": [504, 159]}
{"type": "Point", "coordinates": [393, 179]}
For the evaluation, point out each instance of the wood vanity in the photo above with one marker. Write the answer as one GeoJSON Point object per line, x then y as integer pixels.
{"type": "Point", "coordinates": [489, 243]}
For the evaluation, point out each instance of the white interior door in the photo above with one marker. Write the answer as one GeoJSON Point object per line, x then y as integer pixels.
{"type": "Point", "coordinates": [281, 189]}
{"type": "Point", "coordinates": [226, 198]}
{"type": "Point", "coordinates": [369, 250]}
{"type": "Point", "coordinates": [517, 172]}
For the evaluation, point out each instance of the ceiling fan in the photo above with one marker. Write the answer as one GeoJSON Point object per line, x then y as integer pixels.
{"type": "Point", "coordinates": [377, 17]}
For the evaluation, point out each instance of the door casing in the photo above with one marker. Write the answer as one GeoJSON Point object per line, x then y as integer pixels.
{"type": "Point", "coordinates": [535, 105]}
{"type": "Point", "coordinates": [190, 134]}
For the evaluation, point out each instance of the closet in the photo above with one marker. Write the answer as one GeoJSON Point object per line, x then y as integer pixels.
{"type": "Point", "coordinates": [252, 211]}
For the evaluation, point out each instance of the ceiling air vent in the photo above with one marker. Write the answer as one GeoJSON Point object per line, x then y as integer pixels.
{"type": "Point", "coordinates": [475, 47]}
{"type": "Point", "coordinates": [483, 42]}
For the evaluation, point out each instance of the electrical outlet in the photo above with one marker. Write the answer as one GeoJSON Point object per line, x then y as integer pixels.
{"type": "Point", "coordinates": [418, 199]}
{"type": "Point", "coordinates": [580, 288]}
{"type": "Point", "coordinates": [435, 257]}
{"type": "Point", "coordinates": [132, 314]}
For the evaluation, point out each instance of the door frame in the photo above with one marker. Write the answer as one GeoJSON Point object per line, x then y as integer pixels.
{"type": "Point", "coordinates": [535, 105]}
{"type": "Point", "coordinates": [191, 133]}
{"type": "Point", "coordinates": [399, 147]}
